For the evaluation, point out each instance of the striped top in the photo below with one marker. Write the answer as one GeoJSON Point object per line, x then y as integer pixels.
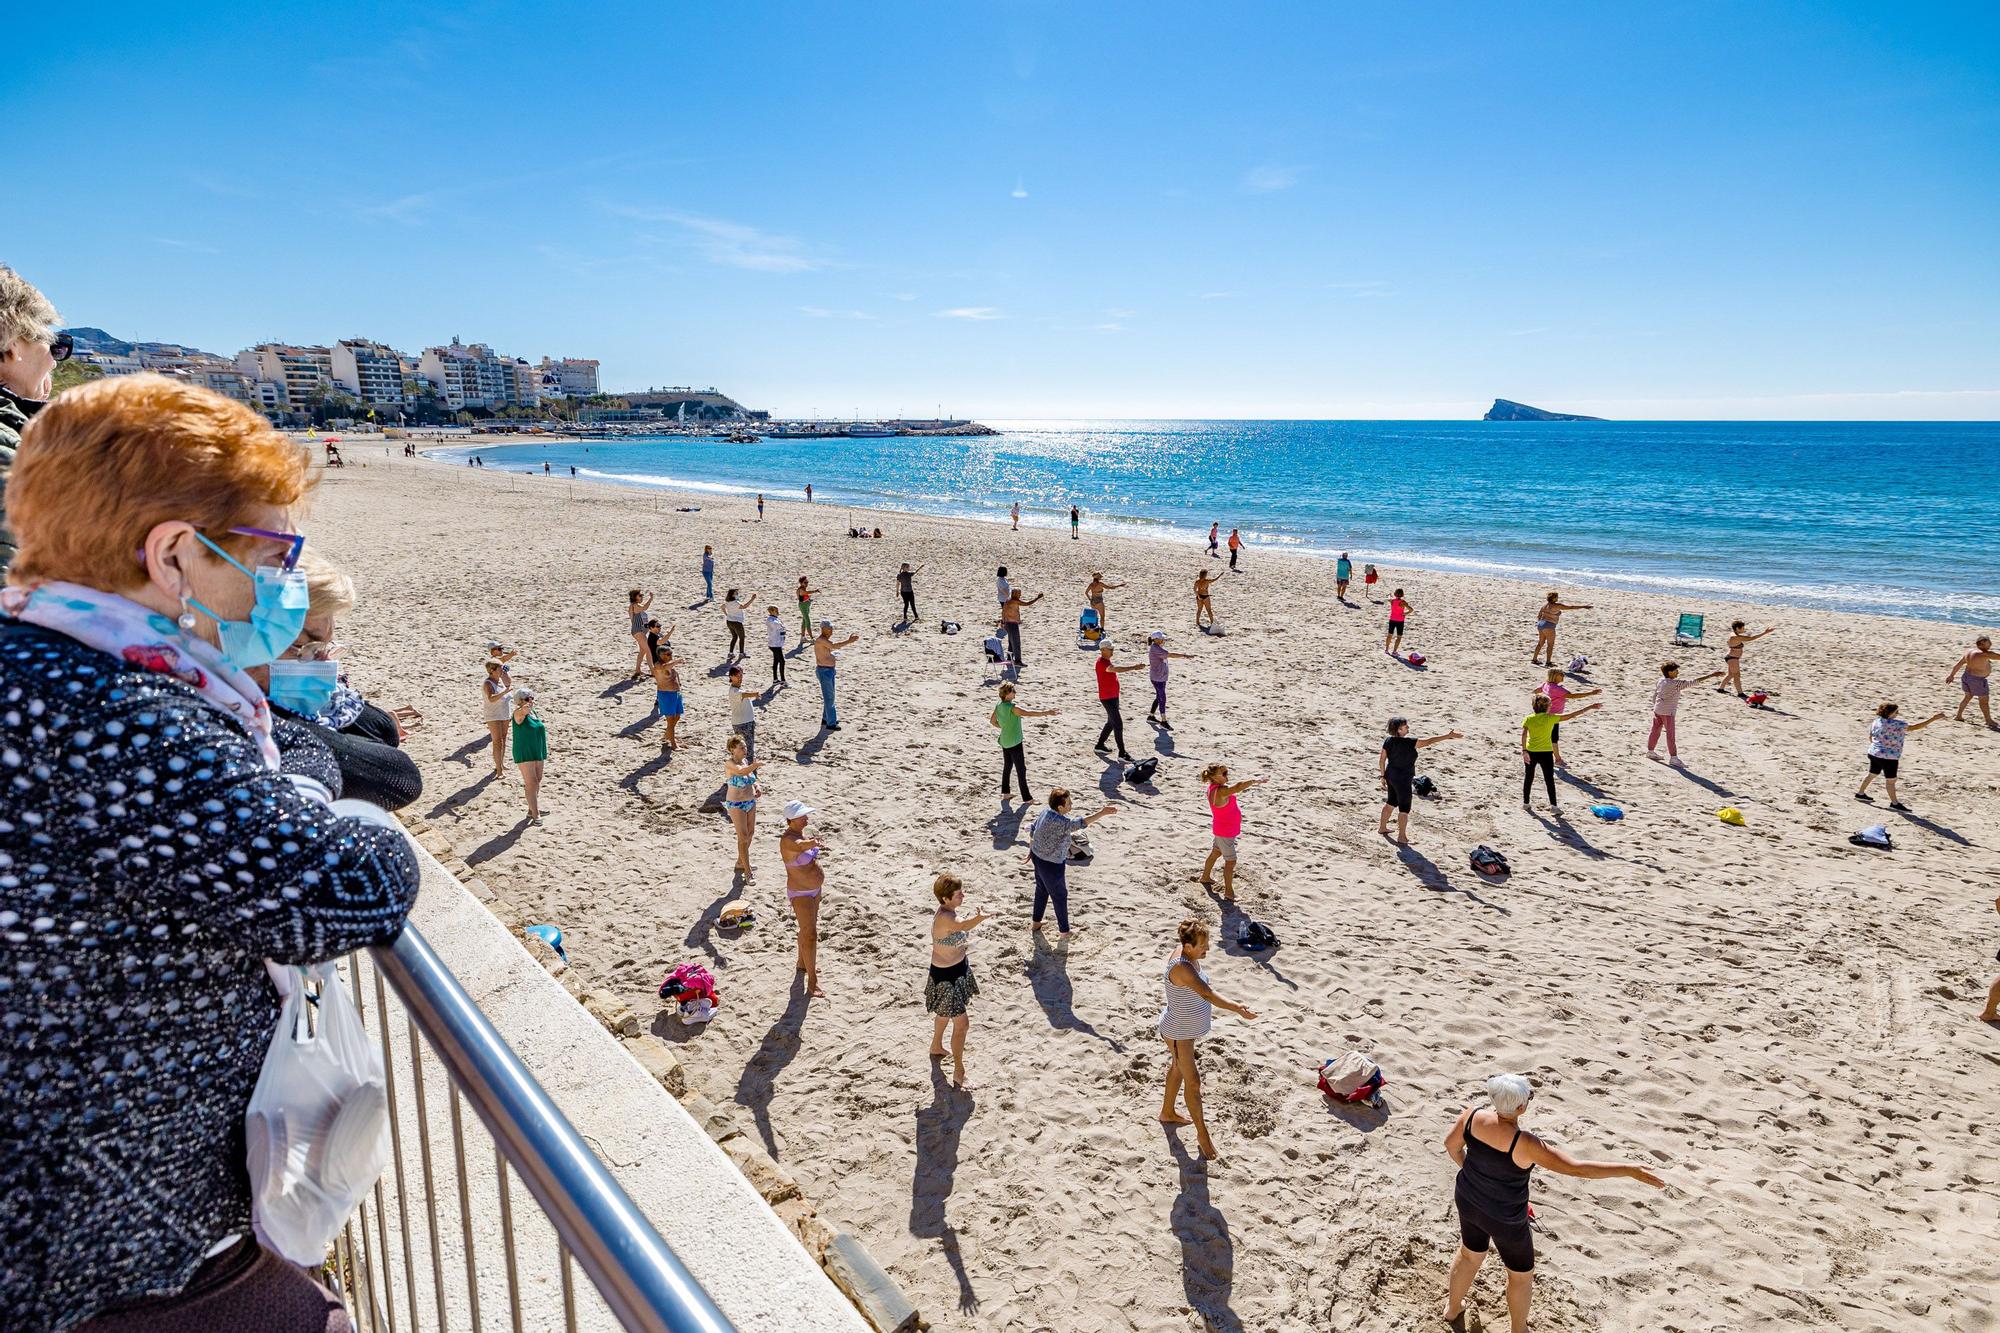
{"type": "Point", "coordinates": [1186, 1015]}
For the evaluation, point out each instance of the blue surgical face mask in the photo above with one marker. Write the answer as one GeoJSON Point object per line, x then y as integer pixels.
{"type": "Point", "coordinates": [305, 688]}
{"type": "Point", "coordinates": [276, 618]}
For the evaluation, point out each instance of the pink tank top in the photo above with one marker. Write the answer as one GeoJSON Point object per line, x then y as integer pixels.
{"type": "Point", "coordinates": [1225, 819]}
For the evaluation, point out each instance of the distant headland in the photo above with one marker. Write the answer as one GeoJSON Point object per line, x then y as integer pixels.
{"type": "Point", "coordinates": [1506, 409]}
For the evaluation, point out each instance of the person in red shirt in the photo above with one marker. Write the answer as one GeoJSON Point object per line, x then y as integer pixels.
{"type": "Point", "coordinates": [1107, 694]}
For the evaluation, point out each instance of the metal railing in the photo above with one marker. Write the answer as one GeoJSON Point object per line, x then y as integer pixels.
{"type": "Point", "coordinates": [583, 1214]}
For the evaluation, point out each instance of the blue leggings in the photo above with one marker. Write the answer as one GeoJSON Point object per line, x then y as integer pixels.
{"type": "Point", "coordinates": [1052, 886]}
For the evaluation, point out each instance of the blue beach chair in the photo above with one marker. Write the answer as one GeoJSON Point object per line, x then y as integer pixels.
{"type": "Point", "coordinates": [1089, 632]}
{"type": "Point", "coordinates": [1687, 634]}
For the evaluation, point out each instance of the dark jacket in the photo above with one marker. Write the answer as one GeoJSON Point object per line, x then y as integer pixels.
{"type": "Point", "coordinates": [14, 413]}
{"type": "Point", "coordinates": [370, 768]}
{"type": "Point", "coordinates": [149, 863]}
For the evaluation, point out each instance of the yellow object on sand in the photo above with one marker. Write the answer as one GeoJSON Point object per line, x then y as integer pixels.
{"type": "Point", "coordinates": [1729, 814]}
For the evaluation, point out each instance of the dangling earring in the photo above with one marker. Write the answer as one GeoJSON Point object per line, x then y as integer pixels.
{"type": "Point", "coordinates": [186, 618]}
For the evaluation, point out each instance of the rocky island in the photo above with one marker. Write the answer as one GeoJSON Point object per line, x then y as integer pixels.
{"type": "Point", "coordinates": [1506, 409]}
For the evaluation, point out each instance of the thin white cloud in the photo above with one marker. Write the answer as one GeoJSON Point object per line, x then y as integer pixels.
{"type": "Point", "coordinates": [1020, 189]}
{"type": "Point", "coordinates": [906, 296]}
{"type": "Point", "coordinates": [1111, 327]}
{"type": "Point", "coordinates": [1371, 287]}
{"type": "Point", "coordinates": [1527, 333]}
{"type": "Point", "coordinates": [194, 247]}
{"type": "Point", "coordinates": [821, 312]}
{"type": "Point", "coordinates": [1271, 177]}
{"type": "Point", "coordinates": [408, 210]}
{"type": "Point", "coordinates": [977, 313]}
{"type": "Point", "coordinates": [1119, 314]}
{"type": "Point", "coordinates": [1216, 296]}
{"type": "Point", "coordinates": [732, 244]}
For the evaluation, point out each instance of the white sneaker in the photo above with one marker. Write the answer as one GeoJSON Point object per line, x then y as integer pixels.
{"type": "Point", "coordinates": [1675, 762]}
{"type": "Point", "coordinates": [1653, 755]}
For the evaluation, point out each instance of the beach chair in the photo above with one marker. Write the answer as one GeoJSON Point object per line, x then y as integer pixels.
{"type": "Point", "coordinates": [1089, 632]}
{"type": "Point", "coordinates": [1687, 634]}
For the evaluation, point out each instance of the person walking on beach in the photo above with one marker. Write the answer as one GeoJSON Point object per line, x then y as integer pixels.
{"type": "Point", "coordinates": [1399, 612]}
{"type": "Point", "coordinates": [1094, 592]}
{"type": "Point", "coordinates": [1204, 584]}
{"type": "Point", "coordinates": [1049, 840]}
{"type": "Point", "coordinates": [1214, 540]}
{"type": "Point", "coordinates": [1559, 694]}
{"type": "Point", "coordinates": [1157, 658]}
{"type": "Point", "coordinates": [531, 750]}
{"type": "Point", "coordinates": [906, 586]}
{"type": "Point", "coordinates": [667, 699]}
{"type": "Point", "coordinates": [493, 693]}
{"type": "Point", "coordinates": [1075, 516]}
{"type": "Point", "coordinates": [1666, 704]}
{"type": "Point", "coordinates": [1396, 767]}
{"type": "Point", "coordinates": [774, 637]}
{"type": "Point", "coordinates": [708, 573]}
{"type": "Point", "coordinates": [824, 661]}
{"type": "Point", "coordinates": [1185, 1018]}
{"type": "Point", "coordinates": [1235, 546]}
{"type": "Point", "coordinates": [1732, 662]}
{"type": "Point", "coordinates": [1107, 695]}
{"type": "Point", "coordinates": [637, 604]}
{"type": "Point", "coordinates": [1545, 629]}
{"type": "Point", "coordinates": [1369, 578]}
{"type": "Point", "coordinates": [1343, 570]}
{"type": "Point", "coordinates": [742, 711]}
{"type": "Point", "coordinates": [1225, 825]}
{"type": "Point", "coordinates": [732, 617]}
{"type": "Point", "coordinates": [1977, 669]}
{"type": "Point", "coordinates": [805, 881]}
{"type": "Point", "coordinates": [1885, 750]}
{"type": "Point", "coordinates": [1538, 746]}
{"type": "Point", "coordinates": [740, 793]}
{"type": "Point", "coordinates": [1007, 717]}
{"type": "Point", "coordinates": [1017, 515]}
{"type": "Point", "coordinates": [1495, 1156]}
{"type": "Point", "coordinates": [1010, 621]}
{"type": "Point", "coordinates": [949, 990]}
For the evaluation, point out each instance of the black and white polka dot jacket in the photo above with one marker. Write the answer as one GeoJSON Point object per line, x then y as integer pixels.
{"type": "Point", "coordinates": [149, 864]}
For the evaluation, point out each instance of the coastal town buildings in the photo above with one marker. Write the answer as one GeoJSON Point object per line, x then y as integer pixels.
{"type": "Point", "coordinates": [369, 372]}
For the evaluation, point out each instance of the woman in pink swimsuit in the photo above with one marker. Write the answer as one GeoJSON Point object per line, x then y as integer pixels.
{"type": "Point", "coordinates": [1225, 824]}
{"type": "Point", "coordinates": [804, 881]}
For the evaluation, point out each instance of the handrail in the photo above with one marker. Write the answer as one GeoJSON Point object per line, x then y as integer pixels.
{"type": "Point", "coordinates": [645, 1285]}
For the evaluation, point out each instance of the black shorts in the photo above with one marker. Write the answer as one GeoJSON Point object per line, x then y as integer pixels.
{"type": "Point", "coordinates": [1886, 767]}
{"type": "Point", "coordinates": [1556, 734]}
{"type": "Point", "coordinates": [1396, 790]}
{"type": "Point", "coordinates": [1514, 1240]}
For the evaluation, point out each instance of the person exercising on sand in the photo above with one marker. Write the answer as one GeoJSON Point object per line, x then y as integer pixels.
{"type": "Point", "coordinates": [1732, 661]}
{"type": "Point", "coordinates": [1203, 583]}
{"type": "Point", "coordinates": [1977, 669]}
{"type": "Point", "coordinates": [1545, 629]}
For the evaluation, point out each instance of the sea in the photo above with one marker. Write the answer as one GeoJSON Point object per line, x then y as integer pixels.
{"type": "Point", "coordinates": [1897, 518]}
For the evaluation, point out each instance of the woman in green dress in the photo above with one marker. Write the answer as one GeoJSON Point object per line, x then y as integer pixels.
{"type": "Point", "coordinates": [531, 747]}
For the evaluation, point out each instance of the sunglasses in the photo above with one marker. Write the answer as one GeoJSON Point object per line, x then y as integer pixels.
{"type": "Point", "coordinates": [296, 540]}
{"type": "Point", "coordinates": [62, 346]}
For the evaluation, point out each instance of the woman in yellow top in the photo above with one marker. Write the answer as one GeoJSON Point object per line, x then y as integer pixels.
{"type": "Point", "coordinates": [1538, 745]}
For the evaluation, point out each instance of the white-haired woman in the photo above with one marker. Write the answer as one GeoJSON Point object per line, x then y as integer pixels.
{"type": "Point", "coordinates": [30, 346]}
{"type": "Point", "coordinates": [1494, 1156]}
{"type": "Point", "coordinates": [531, 749]}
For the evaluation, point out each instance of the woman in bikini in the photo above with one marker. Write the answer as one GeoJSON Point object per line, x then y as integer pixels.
{"type": "Point", "coordinates": [1184, 1020]}
{"type": "Point", "coordinates": [1094, 594]}
{"type": "Point", "coordinates": [636, 606]}
{"type": "Point", "coordinates": [949, 991]}
{"type": "Point", "coordinates": [499, 711]}
{"type": "Point", "coordinates": [740, 778]}
{"type": "Point", "coordinates": [1732, 661]}
{"type": "Point", "coordinates": [1202, 607]}
{"type": "Point", "coordinates": [804, 882]}
{"type": "Point", "coordinates": [667, 692]}
{"type": "Point", "coordinates": [1545, 629]}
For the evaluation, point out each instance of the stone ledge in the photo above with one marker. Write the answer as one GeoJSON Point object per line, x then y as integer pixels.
{"type": "Point", "coordinates": [881, 1302]}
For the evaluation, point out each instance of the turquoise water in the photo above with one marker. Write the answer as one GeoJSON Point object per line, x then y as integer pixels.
{"type": "Point", "coordinates": [1901, 518]}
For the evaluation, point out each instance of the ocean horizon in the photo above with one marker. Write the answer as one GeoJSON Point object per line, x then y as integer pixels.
{"type": "Point", "coordinates": [1894, 518]}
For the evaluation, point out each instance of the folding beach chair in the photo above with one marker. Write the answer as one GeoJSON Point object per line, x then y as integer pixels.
{"type": "Point", "coordinates": [1089, 633]}
{"type": "Point", "coordinates": [1687, 634]}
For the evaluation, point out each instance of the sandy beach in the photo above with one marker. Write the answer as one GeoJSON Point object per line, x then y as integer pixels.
{"type": "Point", "coordinates": [1782, 1023]}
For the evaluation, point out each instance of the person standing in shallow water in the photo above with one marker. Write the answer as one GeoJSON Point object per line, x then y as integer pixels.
{"type": "Point", "coordinates": [1075, 516]}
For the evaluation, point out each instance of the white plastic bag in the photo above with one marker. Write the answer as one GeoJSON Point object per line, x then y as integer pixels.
{"type": "Point", "coordinates": [318, 1121]}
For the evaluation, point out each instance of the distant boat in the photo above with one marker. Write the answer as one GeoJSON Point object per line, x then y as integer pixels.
{"type": "Point", "coordinates": [868, 430]}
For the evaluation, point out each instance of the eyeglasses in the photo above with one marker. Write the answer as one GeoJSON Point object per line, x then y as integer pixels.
{"type": "Point", "coordinates": [62, 346]}
{"type": "Point", "coordinates": [297, 542]}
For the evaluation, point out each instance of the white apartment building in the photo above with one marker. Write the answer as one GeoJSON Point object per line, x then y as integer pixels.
{"type": "Point", "coordinates": [575, 377]}
{"type": "Point", "coordinates": [299, 371]}
{"type": "Point", "coordinates": [212, 372]}
{"type": "Point", "coordinates": [370, 372]}
{"type": "Point", "coordinates": [469, 375]}
{"type": "Point", "coordinates": [527, 383]}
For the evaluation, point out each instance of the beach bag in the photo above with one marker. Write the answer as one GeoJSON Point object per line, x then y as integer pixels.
{"type": "Point", "coordinates": [697, 1011]}
{"type": "Point", "coordinates": [1079, 846]}
{"type": "Point", "coordinates": [1607, 812]}
{"type": "Point", "coordinates": [316, 1128]}
{"type": "Point", "coordinates": [1423, 786]}
{"type": "Point", "coordinates": [1489, 862]}
{"type": "Point", "coordinates": [736, 916]}
{"type": "Point", "coordinates": [1875, 835]}
{"type": "Point", "coordinates": [1143, 771]}
{"type": "Point", "coordinates": [1352, 1077]}
{"type": "Point", "coordinates": [1577, 664]}
{"type": "Point", "coordinates": [689, 981]}
{"type": "Point", "coordinates": [1756, 698]}
{"type": "Point", "coordinates": [1414, 659]}
{"type": "Point", "coordinates": [947, 627]}
{"type": "Point", "coordinates": [1256, 936]}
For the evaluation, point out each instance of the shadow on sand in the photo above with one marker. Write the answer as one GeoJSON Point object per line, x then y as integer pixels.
{"type": "Point", "coordinates": [1208, 1256]}
{"type": "Point", "coordinates": [1048, 974]}
{"type": "Point", "coordinates": [778, 1049]}
{"type": "Point", "coordinates": [939, 1126]}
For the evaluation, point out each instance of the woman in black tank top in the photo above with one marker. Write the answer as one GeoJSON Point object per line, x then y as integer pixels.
{"type": "Point", "coordinates": [1495, 1157]}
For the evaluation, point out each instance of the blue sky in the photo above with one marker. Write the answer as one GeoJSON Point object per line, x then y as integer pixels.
{"type": "Point", "coordinates": [1772, 210]}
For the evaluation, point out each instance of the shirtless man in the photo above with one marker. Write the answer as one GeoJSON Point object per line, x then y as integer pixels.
{"type": "Point", "coordinates": [1095, 595]}
{"type": "Point", "coordinates": [1010, 620]}
{"type": "Point", "coordinates": [1978, 668]}
{"type": "Point", "coordinates": [1545, 629]}
{"type": "Point", "coordinates": [1202, 583]}
{"type": "Point", "coordinates": [823, 666]}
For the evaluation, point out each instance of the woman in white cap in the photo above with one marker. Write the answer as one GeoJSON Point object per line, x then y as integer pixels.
{"type": "Point", "coordinates": [1494, 1156]}
{"type": "Point", "coordinates": [531, 748]}
{"type": "Point", "coordinates": [804, 882]}
{"type": "Point", "coordinates": [1156, 671]}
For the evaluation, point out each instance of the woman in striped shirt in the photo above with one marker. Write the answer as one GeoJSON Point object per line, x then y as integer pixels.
{"type": "Point", "coordinates": [1184, 1020]}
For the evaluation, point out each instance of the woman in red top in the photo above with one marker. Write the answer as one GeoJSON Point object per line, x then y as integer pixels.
{"type": "Point", "coordinates": [1107, 694]}
{"type": "Point", "coordinates": [1225, 823]}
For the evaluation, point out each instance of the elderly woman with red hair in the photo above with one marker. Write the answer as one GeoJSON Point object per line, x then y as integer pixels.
{"type": "Point", "coordinates": [153, 855]}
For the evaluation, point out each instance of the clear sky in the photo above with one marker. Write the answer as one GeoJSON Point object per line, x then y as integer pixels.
{"type": "Point", "coordinates": [1775, 210]}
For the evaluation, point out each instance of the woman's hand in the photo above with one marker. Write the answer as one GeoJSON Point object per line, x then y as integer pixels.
{"type": "Point", "coordinates": [1243, 1010]}
{"type": "Point", "coordinates": [1641, 1174]}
